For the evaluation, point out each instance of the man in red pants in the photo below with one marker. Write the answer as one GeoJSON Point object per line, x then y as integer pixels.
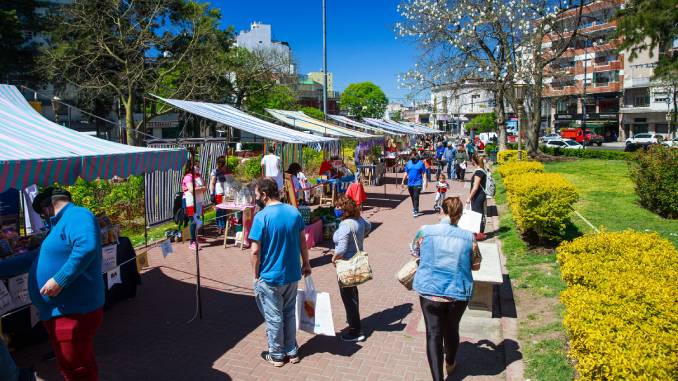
{"type": "Point", "coordinates": [65, 282]}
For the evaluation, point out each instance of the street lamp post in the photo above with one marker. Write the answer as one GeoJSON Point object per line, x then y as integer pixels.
{"type": "Point", "coordinates": [583, 97]}
{"type": "Point", "coordinates": [519, 89]}
{"type": "Point", "coordinates": [325, 59]}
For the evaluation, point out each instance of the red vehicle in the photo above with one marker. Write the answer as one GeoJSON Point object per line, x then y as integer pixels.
{"type": "Point", "coordinates": [587, 137]}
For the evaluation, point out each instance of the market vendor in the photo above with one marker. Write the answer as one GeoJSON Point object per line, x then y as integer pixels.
{"type": "Point", "coordinates": [65, 282]}
{"type": "Point", "coordinates": [217, 185]}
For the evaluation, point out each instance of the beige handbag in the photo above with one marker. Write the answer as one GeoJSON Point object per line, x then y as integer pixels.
{"type": "Point", "coordinates": [356, 270]}
{"type": "Point", "coordinates": [406, 274]}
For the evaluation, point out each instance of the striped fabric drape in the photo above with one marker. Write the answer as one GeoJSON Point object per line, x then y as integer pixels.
{"type": "Point", "coordinates": [34, 150]}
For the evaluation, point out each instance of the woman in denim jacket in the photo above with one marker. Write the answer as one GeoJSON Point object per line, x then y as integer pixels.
{"type": "Point", "coordinates": [345, 248]}
{"type": "Point", "coordinates": [444, 283]}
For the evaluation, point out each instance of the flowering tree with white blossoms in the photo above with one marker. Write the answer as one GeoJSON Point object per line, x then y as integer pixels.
{"type": "Point", "coordinates": [500, 42]}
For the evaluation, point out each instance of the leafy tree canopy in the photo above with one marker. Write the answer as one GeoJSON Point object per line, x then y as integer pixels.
{"type": "Point", "coordinates": [364, 99]}
{"type": "Point", "coordinates": [313, 112]}
{"type": "Point", "coordinates": [483, 123]}
{"type": "Point", "coordinates": [647, 24]}
{"type": "Point", "coordinates": [277, 97]}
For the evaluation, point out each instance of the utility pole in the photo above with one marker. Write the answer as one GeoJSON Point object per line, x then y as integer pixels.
{"type": "Point", "coordinates": [325, 59]}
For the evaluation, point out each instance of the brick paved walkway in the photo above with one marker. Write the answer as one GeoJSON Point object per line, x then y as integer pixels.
{"type": "Point", "coordinates": [148, 338]}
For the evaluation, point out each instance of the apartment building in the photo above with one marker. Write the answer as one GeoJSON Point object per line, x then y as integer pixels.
{"type": "Point", "coordinates": [584, 87]}
{"type": "Point", "coordinates": [455, 104]}
{"type": "Point", "coordinates": [647, 104]}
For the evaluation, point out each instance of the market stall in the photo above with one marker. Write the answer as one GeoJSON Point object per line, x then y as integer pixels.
{"type": "Point", "coordinates": [36, 151]}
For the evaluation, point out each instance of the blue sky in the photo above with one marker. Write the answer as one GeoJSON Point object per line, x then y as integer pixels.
{"type": "Point", "coordinates": [361, 44]}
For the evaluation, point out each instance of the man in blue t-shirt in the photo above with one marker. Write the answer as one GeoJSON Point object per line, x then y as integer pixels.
{"type": "Point", "coordinates": [414, 172]}
{"type": "Point", "coordinates": [278, 241]}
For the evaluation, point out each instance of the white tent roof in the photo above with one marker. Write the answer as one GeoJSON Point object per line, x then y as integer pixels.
{"type": "Point", "coordinates": [392, 127]}
{"type": "Point", "coordinates": [241, 120]}
{"type": "Point", "coordinates": [299, 120]}
{"type": "Point", "coordinates": [350, 122]}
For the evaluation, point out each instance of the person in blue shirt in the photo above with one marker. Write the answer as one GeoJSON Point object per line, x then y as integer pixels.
{"type": "Point", "coordinates": [440, 149]}
{"type": "Point", "coordinates": [414, 175]}
{"type": "Point", "coordinates": [65, 282]}
{"type": "Point", "coordinates": [449, 154]}
{"type": "Point", "coordinates": [278, 243]}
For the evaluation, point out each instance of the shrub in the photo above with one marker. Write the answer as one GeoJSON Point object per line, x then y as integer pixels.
{"type": "Point", "coordinates": [655, 174]}
{"type": "Point", "coordinates": [587, 153]}
{"type": "Point", "coordinates": [518, 167]}
{"type": "Point", "coordinates": [509, 155]}
{"type": "Point", "coordinates": [249, 169]}
{"type": "Point", "coordinates": [122, 201]}
{"type": "Point", "coordinates": [620, 304]}
{"type": "Point", "coordinates": [541, 203]}
{"type": "Point", "coordinates": [232, 163]}
{"type": "Point", "coordinates": [311, 161]}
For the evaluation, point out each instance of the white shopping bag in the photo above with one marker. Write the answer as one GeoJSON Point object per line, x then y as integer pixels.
{"type": "Point", "coordinates": [314, 311]}
{"type": "Point", "coordinates": [470, 220]}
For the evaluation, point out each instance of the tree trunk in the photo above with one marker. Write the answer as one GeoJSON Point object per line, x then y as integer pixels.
{"type": "Point", "coordinates": [501, 118]}
{"type": "Point", "coordinates": [534, 122]}
{"type": "Point", "coordinates": [129, 119]}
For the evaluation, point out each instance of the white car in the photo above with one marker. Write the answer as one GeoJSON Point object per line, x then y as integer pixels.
{"type": "Point", "coordinates": [671, 143]}
{"type": "Point", "coordinates": [546, 138]}
{"type": "Point", "coordinates": [644, 138]}
{"type": "Point", "coordinates": [564, 143]}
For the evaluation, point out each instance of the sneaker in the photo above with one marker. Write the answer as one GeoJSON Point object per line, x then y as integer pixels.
{"type": "Point", "coordinates": [266, 356]}
{"type": "Point", "coordinates": [194, 246]}
{"type": "Point", "coordinates": [294, 359]}
{"type": "Point", "coordinates": [449, 368]}
{"type": "Point", "coordinates": [347, 336]}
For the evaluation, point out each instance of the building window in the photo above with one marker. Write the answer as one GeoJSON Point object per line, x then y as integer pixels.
{"type": "Point", "coordinates": [641, 101]}
{"type": "Point", "coordinates": [604, 77]}
{"type": "Point", "coordinates": [661, 128]}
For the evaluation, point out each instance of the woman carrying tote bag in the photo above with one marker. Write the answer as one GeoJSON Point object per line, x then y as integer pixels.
{"type": "Point", "coordinates": [351, 232]}
{"type": "Point", "coordinates": [447, 255]}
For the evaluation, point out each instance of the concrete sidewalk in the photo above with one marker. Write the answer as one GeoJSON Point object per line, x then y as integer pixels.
{"type": "Point", "coordinates": [148, 338]}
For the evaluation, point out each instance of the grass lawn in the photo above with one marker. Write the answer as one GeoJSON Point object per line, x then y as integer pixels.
{"type": "Point", "coordinates": [157, 233]}
{"type": "Point", "coordinates": [608, 198]}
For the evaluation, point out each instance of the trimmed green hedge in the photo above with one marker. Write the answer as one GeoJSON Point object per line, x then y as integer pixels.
{"type": "Point", "coordinates": [587, 153]}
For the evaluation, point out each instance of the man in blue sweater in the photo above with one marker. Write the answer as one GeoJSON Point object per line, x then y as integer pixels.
{"type": "Point", "coordinates": [65, 282]}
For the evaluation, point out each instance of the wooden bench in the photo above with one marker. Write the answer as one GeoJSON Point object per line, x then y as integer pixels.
{"type": "Point", "coordinates": [486, 278]}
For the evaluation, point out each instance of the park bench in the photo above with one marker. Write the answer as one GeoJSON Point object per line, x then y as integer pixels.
{"type": "Point", "coordinates": [486, 278]}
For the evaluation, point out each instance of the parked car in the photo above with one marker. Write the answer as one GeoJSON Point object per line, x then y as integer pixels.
{"type": "Point", "coordinates": [671, 143]}
{"type": "Point", "coordinates": [644, 138]}
{"type": "Point", "coordinates": [564, 143]}
{"type": "Point", "coordinates": [548, 137]}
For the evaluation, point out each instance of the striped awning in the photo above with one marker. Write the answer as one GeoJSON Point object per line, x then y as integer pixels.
{"type": "Point", "coordinates": [34, 150]}
{"type": "Point", "coordinates": [353, 123]}
{"type": "Point", "coordinates": [299, 120]}
{"type": "Point", "coordinates": [392, 126]}
{"type": "Point", "coordinates": [232, 117]}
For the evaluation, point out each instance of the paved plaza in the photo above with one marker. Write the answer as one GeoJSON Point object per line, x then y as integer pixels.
{"type": "Point", "coordinates": [150, 338]}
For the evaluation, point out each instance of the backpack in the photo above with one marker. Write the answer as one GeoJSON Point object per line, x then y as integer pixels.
{"type": "Point", "coordinates": [179, 216]}
{"type": "Point", "coordinates": [490, 187]}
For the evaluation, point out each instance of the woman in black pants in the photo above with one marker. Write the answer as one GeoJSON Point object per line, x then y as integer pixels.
{"type": "Point", "coordinates": [477, 196]}
{"type": "Point", "coordinates": [447, 255]}
{"type": "Point", "coordinates": [352, 230]}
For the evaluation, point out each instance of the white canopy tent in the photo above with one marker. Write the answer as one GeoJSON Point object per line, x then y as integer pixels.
{"type": "Point", "coordinates": [299, 120]}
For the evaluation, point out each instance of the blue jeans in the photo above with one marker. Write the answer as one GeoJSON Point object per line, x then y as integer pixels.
{"type": "Point", "coordinates": [451, 174]}
{"type": "Point", "coordinates": [8, 368]}
{"type": "Point", "coordinates": [221, 220]}
{"type": "Point", "coordinates": [278, 306]}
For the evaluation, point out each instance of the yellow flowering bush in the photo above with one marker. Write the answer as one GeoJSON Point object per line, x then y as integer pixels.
{"type": "Point", "coordinates": [517, 167]}
{"type": "Point", "coordinates": [621, 314]}
{"type": "Point", "coordinates": [509, 155]}
{"type": "Point", "coordinates": [540, 203]}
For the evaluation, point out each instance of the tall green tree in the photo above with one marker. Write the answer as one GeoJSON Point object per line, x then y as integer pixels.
{"type": "Point", "coordinates": [649, 24]}
{"type": "Point", "coordinates": [364, 99]}
{"type": "Point", "coordinates": [483, 123]}
{"type": "Point", "coordinates": [276, 97]}
{"type": "Point", "coordinates": [130, 48]}
{"type": "Point", "coordinates": [254, 75]}
{"type": "Point", "coordinates": [17, 61]}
